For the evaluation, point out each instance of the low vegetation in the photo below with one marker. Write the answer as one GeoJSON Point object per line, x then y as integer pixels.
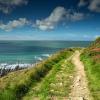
{"type": "Point", "coordinates": [16, 84]}
{"type": "Point", "coordinates": [91, 59]}
{"type": "Point", "coordinates": [56, 85]}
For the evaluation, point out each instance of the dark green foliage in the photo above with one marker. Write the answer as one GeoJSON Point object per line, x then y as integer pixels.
{"type": "Point", "coordinates": [98, 40]}
{"type": "Point", "coordinates": [20, 90]}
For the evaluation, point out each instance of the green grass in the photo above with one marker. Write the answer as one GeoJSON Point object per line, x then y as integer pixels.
{"type": "Point", "coordinates": [16, 84]}
{"type": "Point", "coordinates": [55, 85]}
{"type": "Point", "coordinates": [92, 69]}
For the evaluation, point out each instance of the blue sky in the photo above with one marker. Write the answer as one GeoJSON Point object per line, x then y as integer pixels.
{"type": "Point", "coordinates": [49, 19]}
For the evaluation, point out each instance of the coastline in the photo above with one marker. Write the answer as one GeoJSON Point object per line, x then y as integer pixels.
{"type": "Point", "coordinates": [6, 68]}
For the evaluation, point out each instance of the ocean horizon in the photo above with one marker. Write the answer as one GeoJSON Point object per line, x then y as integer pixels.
{"type": "Point", "coordinates": [29, 52]}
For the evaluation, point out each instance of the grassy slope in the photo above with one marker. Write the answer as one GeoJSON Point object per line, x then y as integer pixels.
{"type": "Point", "coordinates": [91, 60]}
{"type": "Point", "coordinates": [16, 84]}
{"type": "Point", "coordinates": [56, 84]}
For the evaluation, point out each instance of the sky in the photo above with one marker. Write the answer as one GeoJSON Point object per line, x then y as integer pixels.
{"type": "Point", "coordinates": [49, 19]}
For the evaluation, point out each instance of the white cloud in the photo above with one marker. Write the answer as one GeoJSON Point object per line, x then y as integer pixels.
{"type": "Point", "coordinates": [77, 16]}
{"type": "Point", "coordinates": [14, 24]}
{"type": "Point", "coordinates": [8, 5]}
{"type": "Point", "coordinates": [82, 3]}
{"type": "Point", "coordinates": [94, 5]}
{"type": "Point", "coordinates": [59, 14]}
{"type": "Point", "coordinates": [50, 22]}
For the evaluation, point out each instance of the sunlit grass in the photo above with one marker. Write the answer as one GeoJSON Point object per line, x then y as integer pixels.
{"type": "Point", "coordinates": [16, 84]}
{"type": "Point", "coordinates": [92, 68]}
{"type": "Point", "coordinates": [56, 85]}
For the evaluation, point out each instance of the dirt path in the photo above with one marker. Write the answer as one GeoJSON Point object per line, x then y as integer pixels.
{"type": "Point", "coordinates": [79, 88]}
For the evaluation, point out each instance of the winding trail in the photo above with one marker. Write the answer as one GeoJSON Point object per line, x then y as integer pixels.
{"type": "Point", "coordinates": [79, 88]}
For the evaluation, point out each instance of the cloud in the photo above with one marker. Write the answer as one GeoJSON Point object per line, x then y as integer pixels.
{"type": "Point", "coordinates": [50, 22]}
{"type": "Point", "coordinates": [94, 5]}
{"type": "Point", "coordinates": [77, 16]}
{"type": "Point", "coordinates": [14, 24]}
{"type": "Point", "coordinates": [7, 6]}
{"type": "Point", "coordinates": [82, 3]}
{"type": "Point", "coordinates": [59, 14]}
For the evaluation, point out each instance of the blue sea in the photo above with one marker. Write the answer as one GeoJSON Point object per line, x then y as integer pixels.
{"type": "Point", "coordinates": [12, 52]}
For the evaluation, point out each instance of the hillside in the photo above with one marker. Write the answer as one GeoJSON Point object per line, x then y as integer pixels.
{"type": "Point", "coordinates": [60, 77]}
{"type": "Point", "coordinates": [91, 59]}
{"type": "Point", "coordinates": [17, 85]}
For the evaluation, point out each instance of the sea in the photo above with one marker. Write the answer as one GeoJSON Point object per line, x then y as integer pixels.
{"type": "Point", "coordinates": [30, 52]}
